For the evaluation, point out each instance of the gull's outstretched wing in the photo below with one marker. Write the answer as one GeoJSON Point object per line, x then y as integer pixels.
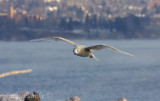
{"type": "Point", "coordinates": [99, 47]}
{"type": "Point", "coordinates": [55, 39]}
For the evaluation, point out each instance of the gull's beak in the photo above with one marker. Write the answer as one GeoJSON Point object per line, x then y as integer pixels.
{"type": "Point", "coordinates": [74, 52]}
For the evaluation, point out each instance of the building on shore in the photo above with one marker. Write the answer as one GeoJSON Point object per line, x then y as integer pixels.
{"type": "Point", "coordinates": [11, 12]}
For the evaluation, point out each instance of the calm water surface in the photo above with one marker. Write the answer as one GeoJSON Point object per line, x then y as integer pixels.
{"type": "Point", "coordinates": [58, 74]}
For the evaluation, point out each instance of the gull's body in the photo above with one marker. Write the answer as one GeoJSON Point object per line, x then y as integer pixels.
{"type": "Point", "coordinates": [81, 50]}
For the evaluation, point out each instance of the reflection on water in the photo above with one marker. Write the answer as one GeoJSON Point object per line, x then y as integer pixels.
{"type": "Point", "coordinates": [58, 74]}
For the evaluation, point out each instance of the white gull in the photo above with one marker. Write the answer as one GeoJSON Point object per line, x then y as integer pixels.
{"type": "Point", "coordinates": [81, 50]}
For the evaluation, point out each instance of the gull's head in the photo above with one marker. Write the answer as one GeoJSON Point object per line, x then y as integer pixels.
{"type": "Point", "coordinates": [78, 49]}
{"type": "Point", "coordinates": [75, 50]}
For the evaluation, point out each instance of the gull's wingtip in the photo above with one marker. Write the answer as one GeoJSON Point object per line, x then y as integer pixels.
{"type": "Point", "coordinates": [130, 55]}
{"type": "Point", "coordinates": [38, 39]}
{"type": "Point", "coordinates": [56, 37]}
{"type": "Point", "coordinates": [32, 40]}
{"type": "Point", "coordinates": [42, 39]}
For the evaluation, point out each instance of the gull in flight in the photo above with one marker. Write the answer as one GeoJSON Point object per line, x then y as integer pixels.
{"type": "Point", "coordinates": [81, 50]}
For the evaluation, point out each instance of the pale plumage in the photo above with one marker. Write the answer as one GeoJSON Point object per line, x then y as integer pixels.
{"type": "Point", "coordinates": [82, 50]}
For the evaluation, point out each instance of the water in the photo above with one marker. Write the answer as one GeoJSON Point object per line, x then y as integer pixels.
{"type": "Point", "coordinates": [58, 74]}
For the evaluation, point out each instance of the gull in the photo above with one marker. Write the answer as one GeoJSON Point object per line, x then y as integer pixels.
{"type": "Point", "coordinates": [81, 50]}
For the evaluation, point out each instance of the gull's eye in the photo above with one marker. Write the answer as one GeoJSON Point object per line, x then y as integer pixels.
{"type": "Point", "coordinates": [77, 50]}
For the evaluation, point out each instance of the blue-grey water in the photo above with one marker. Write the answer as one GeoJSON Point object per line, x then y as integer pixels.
{"type": "Point", "coordinates": [59, 74]}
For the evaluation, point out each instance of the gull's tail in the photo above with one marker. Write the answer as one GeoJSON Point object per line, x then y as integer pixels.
{"type": "Point", "coordinates": [95, 57]}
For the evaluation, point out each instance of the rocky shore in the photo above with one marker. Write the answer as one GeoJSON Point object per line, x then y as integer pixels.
{"type": "Point", "coordinates": [26, 96]}
{"type": "Point", "coordinates": [23, 96]}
